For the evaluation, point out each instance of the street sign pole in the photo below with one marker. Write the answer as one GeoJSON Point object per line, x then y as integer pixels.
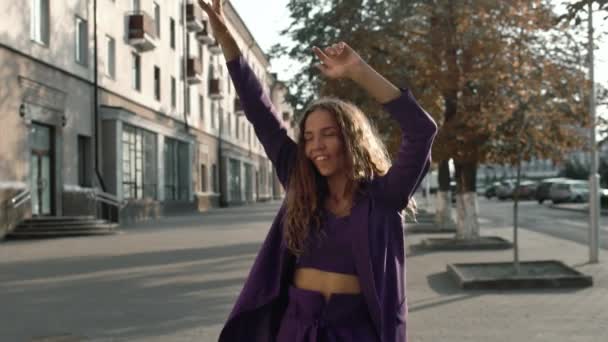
{"type": "Point", "coordinates": [594, 202]}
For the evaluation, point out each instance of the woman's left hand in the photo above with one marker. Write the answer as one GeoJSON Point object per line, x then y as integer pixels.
{"type": "Point", "coordinates": [338, 60]}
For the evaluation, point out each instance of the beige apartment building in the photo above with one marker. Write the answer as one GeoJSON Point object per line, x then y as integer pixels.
{"type": "Point", "coordinates": [130, 116]}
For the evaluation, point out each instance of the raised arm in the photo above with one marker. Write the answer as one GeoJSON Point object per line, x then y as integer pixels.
{"type": "Point", "coordinates": [256, 104]}
{"type": "Point", "coordinates": [417, 127]}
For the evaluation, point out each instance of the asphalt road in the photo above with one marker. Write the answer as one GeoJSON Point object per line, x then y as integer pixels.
{"type": "Point", "coordinates": [565, 224]}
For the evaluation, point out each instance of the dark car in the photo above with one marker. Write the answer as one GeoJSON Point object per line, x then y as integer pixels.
{"type": "Point", "coordinates": [491, 190]}
{"type": "Point", "coordinates": [526, 190]}
{"type": "Point", "coordinates": [542, 190]}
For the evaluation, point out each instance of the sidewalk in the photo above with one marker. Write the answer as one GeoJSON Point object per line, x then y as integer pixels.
{"type": "Point", "coordinates": [440, 311]}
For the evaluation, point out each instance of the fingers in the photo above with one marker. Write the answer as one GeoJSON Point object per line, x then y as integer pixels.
{"type": "Point", "coordinates": [206, 7]}
{"type": "Point", "coordinates": [322, 68]}
{"type": "Point", "coordinates": [334, 50]}
{"type": "Point", "coordinates": [322, 56]}
{"type": "Point", "coordinates": [217, 5]}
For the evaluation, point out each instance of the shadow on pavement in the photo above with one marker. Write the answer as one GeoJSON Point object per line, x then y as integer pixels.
{"type": "Point", "coordinates": [127, 297]}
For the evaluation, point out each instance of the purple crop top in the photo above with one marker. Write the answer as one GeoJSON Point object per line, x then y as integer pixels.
{"type": "Point", "coordinates": [331, 250]}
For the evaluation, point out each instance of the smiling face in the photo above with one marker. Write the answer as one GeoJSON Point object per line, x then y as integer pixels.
{"type": "Point", "coordinates": [323, 143]}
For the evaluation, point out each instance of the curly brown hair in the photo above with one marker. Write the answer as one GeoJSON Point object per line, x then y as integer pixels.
{"type": "Point", "coordinates": [307, 189]}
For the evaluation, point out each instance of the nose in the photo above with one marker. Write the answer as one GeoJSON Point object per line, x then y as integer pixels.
{"type": "Point", "coordinates": [317, 143]}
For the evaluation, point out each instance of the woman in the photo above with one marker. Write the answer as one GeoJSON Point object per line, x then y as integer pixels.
{"type": "Point", "coordinates": [332, 267]}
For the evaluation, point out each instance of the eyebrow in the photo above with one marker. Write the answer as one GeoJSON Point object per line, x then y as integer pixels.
{"type": "Point", "coordinates": [322, 129]}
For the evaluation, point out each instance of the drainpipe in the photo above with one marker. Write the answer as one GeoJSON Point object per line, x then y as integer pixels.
{"type": "Point", "coordinates": [96, 135]}
{"type": "Point", "coordinates": [185, 50]}
{"type": "Point", "coordinates": [96, 100]}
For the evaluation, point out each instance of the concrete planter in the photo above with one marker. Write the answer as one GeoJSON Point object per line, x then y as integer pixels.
{"type": "Point", "coordinates": [451, 244]}
{"type": "Point", "coordinates": [533, 274]}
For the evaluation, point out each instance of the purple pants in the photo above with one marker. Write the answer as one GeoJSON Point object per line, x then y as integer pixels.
{"type": "Point", "coordinates": [308, 318]}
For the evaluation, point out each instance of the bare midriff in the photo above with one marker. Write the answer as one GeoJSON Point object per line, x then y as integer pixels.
{"type": "Point", "coordinates": [325, 282]}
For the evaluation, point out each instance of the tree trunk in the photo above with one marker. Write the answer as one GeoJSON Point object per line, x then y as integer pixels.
{"type": "Point", "coordinates": [467, 227]}
{"type": "Point", "coordinates": [443, 215]}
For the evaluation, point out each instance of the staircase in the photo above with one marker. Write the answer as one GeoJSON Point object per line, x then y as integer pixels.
{"type": "Point", "coordinates": [53, 227]}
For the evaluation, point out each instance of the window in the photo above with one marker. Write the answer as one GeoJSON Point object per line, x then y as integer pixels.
{"type": "Point", "coordinates": [157, 83]}
{"type": "Point", "coordinates": [204, 178]}
{"type": "Point", "coordinates": [40, 20]}
{"type": "Point", "coordinates": [139, 163]}
{"type": "Point", "coordinates": [81, 41]}
{"type": "Point", "coordinates": [85, 165]}
{"type": "Point", "coordinates": [111, 57]}
{"type": "Point", "coordinates": [214, 179]}
{"type": "Point", "coordinates": [157, 19]}
{"type": "Point", "coordinates": [234, 179]}
{"type": "Point", "coordinates": [213, 115]}
{"type": "Point", "coordinates": [201, 110]}
{"type": "Point", "coordinates": [135, 5]}
{"type": "Point", "coordinates": [229, 124]}
{"type": "Point", "coordinates": [135, 71]}
{"type": "Point", "coordinates": [181, 12]}
{"type": "Point", "coordinates": [172, 33]}
{"type": "Point", "coordinates": [173, 92]}
{"type": "Point", "coordinates": [176, 170]}
{"type": "Point", "coordinates": [187, 100]}
{"type": "Point", "coordinates": [237, 126]}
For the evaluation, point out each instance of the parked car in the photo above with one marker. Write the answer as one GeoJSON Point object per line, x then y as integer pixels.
{"type": "Point", "coordinates": [505, 190]}
{"type": "Point", "coordinates": [570, 191]}
{"type": "Point", "coordinates": [526, 190]}
{"type": "Point", "coordinates": [542, 190]}
{"type": "Point", "coordinates": [491, 190]}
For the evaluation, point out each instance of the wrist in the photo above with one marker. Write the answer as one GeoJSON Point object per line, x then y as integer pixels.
{"type": "Point", "coordinates": [357, 72]}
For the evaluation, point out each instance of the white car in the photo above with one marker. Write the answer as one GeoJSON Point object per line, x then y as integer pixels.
{"type": "Point", "coordinates": [569, 191]}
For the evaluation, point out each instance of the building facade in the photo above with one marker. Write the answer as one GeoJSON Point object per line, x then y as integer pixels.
{"type": "Point", "coordinates": [136, 106]}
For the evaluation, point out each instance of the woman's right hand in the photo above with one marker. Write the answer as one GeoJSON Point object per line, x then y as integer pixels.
{"type": "Point", "coordinates": [215, 13]}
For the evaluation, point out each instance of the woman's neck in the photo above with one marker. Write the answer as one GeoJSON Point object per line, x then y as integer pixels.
{"type": "Point", "coordinates": [339, 189]}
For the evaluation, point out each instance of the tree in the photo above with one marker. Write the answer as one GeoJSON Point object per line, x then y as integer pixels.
{"type": "Point", "coordinates": [474, 66]}
{"type": "Point", "coordinates": [575, 9]}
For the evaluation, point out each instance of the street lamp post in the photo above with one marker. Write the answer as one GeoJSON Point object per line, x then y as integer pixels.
{"type": "Point", "coordinates": [594, 203]}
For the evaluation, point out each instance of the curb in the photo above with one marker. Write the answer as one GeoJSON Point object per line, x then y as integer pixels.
{"type": "Point", "coordinates": [603, 212]}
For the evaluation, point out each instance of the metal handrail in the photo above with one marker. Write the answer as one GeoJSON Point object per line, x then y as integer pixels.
{"type": "Point", "coordinates": [109, 199]}
{"type": "Point", "coordinates": [21, 198]}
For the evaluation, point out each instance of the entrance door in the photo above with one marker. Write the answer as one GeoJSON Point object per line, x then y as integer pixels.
{"type": "Point", "coordinates": [41, 175]}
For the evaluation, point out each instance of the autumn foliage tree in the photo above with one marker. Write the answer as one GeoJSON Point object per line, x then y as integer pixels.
{"type": "Point", "coordinates": [476, 66]}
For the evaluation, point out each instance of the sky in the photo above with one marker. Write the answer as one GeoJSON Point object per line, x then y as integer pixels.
{"type": "Point", "coordinates": [265, 25]}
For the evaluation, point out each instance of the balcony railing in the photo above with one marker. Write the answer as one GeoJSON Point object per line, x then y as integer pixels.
{"type": "Point", "coordinates": [141, 32]}
{"type": "Point", "coordinates": [194, 70]}
{"type": "Point", "coordinates": [204, 36]}
{"type": "Point", "coordinates": [194, 18]}
{"type": "Point", "coordinates": [215, 89]}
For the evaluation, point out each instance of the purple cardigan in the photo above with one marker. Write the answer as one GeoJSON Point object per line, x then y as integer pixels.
{"type": "Point", "coordinates": [378, 245]}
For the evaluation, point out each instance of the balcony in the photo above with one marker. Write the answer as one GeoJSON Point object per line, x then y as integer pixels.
{"type": "Point", "coordinates": [194, 18]}
{"type": "Point", "coordinates": [238, 109]}
{"type": "Point", "coordinates": [141, 33]}
{"type": "Point", "coordinates": [203, 36]}
{"type": "Point", "coordinates": [215, 89]}
{"type": "Point", "coordinates": [194, 70]}
{"type": "Point", "coordinates": [215, 48]}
